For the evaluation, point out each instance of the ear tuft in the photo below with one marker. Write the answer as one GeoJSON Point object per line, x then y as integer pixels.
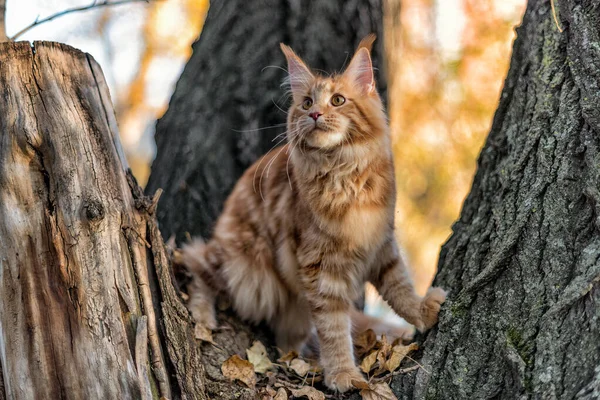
{"type": "Point", "coordinates": [299, 74]}
{"type": "Point", "coordinates": [367, 42]}
{"type": "Point", "coordinates": [360, 69]}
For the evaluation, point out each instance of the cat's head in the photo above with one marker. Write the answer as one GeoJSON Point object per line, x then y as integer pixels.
{"type": "Point", "coordinates": [330, 112]}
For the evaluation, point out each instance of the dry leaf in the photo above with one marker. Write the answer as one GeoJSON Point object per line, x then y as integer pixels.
{"type": "Point", "coordinates": [203, 333]}
{"type": "Point", "coordinates": [398, 354]}
{"type": "Point", "coordinates": [177, 256]}
{"type": "Point", "coordinates": [300, 367]}
{"type": "Point", "coordinates": [270, 391]}
{"type": "Point", "coordinates": [308, 391]}
{"type": "Point", "coordinates": [383, 353]}
{"type": "Point", "coordinates": [281, 395]}
{"type": "Point", "coordinates": [288, 357]}
{"type": "Point", "coordinates": [315, 367]}
{"type": "Point", "coordinates": [257, 355]}
{"type": "Point", "coordinates": [378, 391]}
{"type": "Point", "coordinates": [360, 384]}
{"type": "Point", "coordinates": [236, 368]}
{"type": "Point", "coordinates": [367, 363]}
{"type": "Point", "coordinates": [266, 393]}
{"type": "Point", "coordinates": [365, 342]}
{"type": "Point", "coordinates": [385, 346]}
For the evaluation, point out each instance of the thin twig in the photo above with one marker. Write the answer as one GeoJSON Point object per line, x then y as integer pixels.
{"type": "Point", "coordinates": [95, 4]}
{"type": "Point", "coordinates": [555, 17]}
{"type": "Point", "coordinates": [418, 364]}
{"type": "Point", "coordinates": [397, 372]}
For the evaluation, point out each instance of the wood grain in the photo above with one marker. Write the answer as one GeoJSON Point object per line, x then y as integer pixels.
{"type": "Point", "coordinates": [77, 279]}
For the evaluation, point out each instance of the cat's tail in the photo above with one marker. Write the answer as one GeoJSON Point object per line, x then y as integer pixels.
{"type": "Point", "coordinates": [203, 261]}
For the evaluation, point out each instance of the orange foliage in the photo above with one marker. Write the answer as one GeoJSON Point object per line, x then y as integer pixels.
{"type": "Point", "coordinates": [442, 97]}
{"type": "Point", "coordinates": [168, 32]}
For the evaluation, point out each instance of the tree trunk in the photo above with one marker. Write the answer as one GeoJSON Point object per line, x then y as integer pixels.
{"type": "Point", "coordinates": [523, 263]}
{"type": "Point", "coordinates": [88, 310]}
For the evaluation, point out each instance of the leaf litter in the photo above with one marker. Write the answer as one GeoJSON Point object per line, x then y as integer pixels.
{"type": "Point", "coordinates": [292, 376]}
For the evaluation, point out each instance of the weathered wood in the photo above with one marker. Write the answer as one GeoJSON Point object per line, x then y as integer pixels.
{"type": "Point", "coordinates": [523, 263]}
{"type": "Point", "coordinates": [81, 309]}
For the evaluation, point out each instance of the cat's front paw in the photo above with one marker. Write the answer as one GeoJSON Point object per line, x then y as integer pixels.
{"type": "Point", "coordinates": [430, 307]}
{"type": "Point", "coordinates": [344, 379]}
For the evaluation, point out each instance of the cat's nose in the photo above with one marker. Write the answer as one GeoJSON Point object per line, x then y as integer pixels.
{"type": "Point", "coordinates": [315, 115]}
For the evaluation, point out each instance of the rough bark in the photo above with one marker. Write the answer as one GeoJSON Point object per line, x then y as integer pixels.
{"type": "Point", "coordinates": [88, 309]}
{"type": "Point", "coordinates": [523, 263]}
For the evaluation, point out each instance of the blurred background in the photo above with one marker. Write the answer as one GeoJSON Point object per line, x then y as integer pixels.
{"type": "Point", "coordinates": [445, 63]}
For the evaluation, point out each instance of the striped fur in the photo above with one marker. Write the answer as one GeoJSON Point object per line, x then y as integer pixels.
{"type": "Point", "coordinates": [307, 225]}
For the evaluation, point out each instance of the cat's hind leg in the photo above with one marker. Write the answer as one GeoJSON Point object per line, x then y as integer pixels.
{"type": "Point", "coordinates": [202, 260]}
{"type": "Point", "coordinates": [293, 326]}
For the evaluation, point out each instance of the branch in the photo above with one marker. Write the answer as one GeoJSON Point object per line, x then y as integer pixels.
{"type": "Point", "coordinates": [3, 37]}
{"type": "Point", "coordinates": [95, 4]}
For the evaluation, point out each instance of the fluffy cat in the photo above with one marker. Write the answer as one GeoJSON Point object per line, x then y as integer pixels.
{"type": "Point", "coordinates": [312, 221]}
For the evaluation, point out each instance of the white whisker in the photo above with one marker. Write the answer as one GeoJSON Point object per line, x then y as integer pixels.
{"type": "Point", "coordinates": [260, 162]}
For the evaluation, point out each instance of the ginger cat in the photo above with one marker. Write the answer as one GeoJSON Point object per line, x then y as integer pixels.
{"type": "Point", "coordinates": [306, 226]}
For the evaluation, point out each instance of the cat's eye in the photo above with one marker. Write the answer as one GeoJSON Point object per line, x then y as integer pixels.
{"type": "Point", "coordinates": [307, 103]}
{"type": "Point", "coordinates": [337, 100]}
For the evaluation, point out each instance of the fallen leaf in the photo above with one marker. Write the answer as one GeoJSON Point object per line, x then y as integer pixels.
{"type": "Point", "coordinates": [300, 367]}
{"type": "Point", "coordinates": [385, 346]}
{"type": "Point", "coordinates": [315, 367]}
{"type": "Point", "coordinates": [308, 391]}
{"type": "Point", "coordinates": [367, 363]}
{"type": "Point", "coordinates": [270, 391]}
{"type": "Point", "coordinates": [177, 256]}
{"type": "Point", "coordinates": [288, 357]}
{"type": "Point", "coordinates": [398, 354]}
{"type": "Point", "coordinates": [378, 391]}
{"type": "Point", "coordinates": [281, 395]}
{"type": "Point", "coordinates": [235, 368]}
{"type": "Point", "coordinates": [359, 384]}
{"type": "Point", "coordinates": [266, 393]}
{"type": "Point", "coordinates": [365, 342]}
{"type": "Point", "coordinates": [203, 333]}
{"type": "Point", "coordinates": [257, 355]}
{"type": "Point", "coordinates": [382, 354]}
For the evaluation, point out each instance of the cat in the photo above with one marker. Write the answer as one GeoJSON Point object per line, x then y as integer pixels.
{"type": "Point", "coordinates": [306, 226]}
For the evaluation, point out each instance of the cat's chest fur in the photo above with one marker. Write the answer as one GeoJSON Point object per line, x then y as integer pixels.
{"type": "Point", "coordinates": [354, 206]}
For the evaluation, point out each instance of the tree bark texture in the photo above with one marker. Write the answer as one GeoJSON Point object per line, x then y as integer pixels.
{"type": "Point", "coordinates": [229, 95]}
{"type": "Point", "coordinates": [88, 310]}
{"type": "Point", "coordinates": [523, 263]}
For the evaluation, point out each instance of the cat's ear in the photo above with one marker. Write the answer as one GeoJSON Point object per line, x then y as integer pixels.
{"type": "Point", "coordinates": [299, 74]}
{"type": "Point", "coordinates": [360, 69]}
{"type": "Point", "coordinates": [367, 42]}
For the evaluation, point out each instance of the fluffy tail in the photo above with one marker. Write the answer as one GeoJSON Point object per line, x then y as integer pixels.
{"type": "Point", "coordinates": [203, 260]}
